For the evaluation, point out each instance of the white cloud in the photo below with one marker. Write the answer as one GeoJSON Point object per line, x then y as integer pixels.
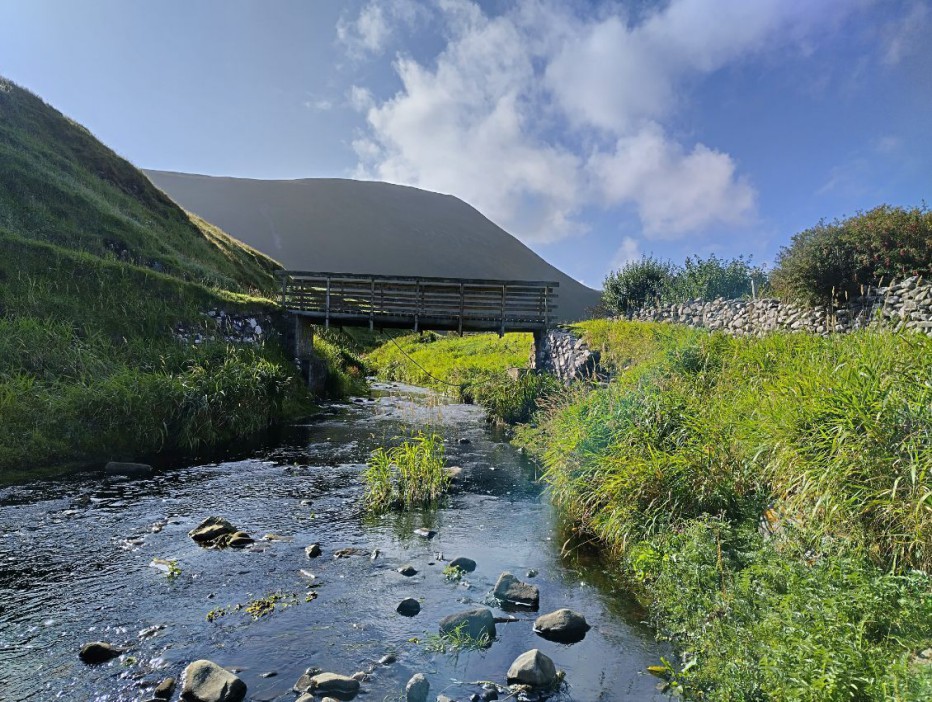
{"type": "Point", "coordinates": [630, 250]}
{"type": "Point", "coordinates": [360, 98]}
{"type": "Point", "coordinates": [319, 104]}
{"type": "Point", "coordinates": [675, 191]}
{"type": "Point", "coordinates": [377, 22]}
{"type": "Point", "coordinates": [905, 35]}
{"type": "Point", "coordinates": [535, 113]}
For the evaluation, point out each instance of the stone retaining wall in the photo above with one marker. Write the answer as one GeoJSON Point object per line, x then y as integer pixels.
{"type": "Point", "coordinates": [903, 305]}
{"type": "Point", "coordinates": [565, 355]}
{"type": "Point", "coordinates": [230, 328]}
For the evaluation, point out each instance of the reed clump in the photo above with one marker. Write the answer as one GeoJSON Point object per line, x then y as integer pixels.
{"type": "Point", "coordinates": [411, 474]}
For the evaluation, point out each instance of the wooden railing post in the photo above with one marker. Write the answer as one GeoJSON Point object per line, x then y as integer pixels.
{"type": "Point", "coordinates": [284, 290]}
{"type": "Point", "coordinates": [462, 306]}
{"type": "Point", "coordinates": [327, 309]}
{"type": "Point", "coordinates": [501, 331]}
{"type": "Point", "coordinates": [371, 304]}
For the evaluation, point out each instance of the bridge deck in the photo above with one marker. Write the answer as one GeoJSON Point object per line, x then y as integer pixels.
{"type": "Point", "coordinates": [452, 304]}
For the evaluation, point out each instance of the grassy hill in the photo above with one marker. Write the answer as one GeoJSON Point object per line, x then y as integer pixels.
{"type": "Point", "coordinates": [350, 226]}
{"type": "Point", "coordinates": [97, 269]}
{"type": "Point", "coordinates": [60, 185]}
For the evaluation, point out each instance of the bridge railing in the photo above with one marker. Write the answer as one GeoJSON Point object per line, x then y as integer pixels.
{"type": "Point", "coordinates": [420, 302]}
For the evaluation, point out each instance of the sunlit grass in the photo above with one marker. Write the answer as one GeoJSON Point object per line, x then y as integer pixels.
{"type": "Point", "coordinates": [698, 438]}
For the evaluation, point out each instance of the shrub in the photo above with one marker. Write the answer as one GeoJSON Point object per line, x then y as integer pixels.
{"type": "Point", "coordinates": [707, 279]}
{"type": "Point", "coordinates": [833, 260]}
{"type": "Point", "coordinates": [637, 284]}
{"type": "Point", "coordinates": [650, 281]}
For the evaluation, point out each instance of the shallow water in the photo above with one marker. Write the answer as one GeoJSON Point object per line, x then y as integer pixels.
{"type": "Point", "coordinates": [75, 555]}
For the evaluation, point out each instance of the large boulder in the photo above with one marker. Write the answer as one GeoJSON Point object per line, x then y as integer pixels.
{"type": "Point", "coordinates": [564, 625]}
{"type": "Point", "coordinates": [509, 590]}
{"type": "Point", "coordinates": [98, 652]}
{"type": "Point", "coordinates": [417, 688]}
{"type": "Point", "coordinates": [533, 668]}
{"type": "Point", "coordinates": [211, 530]}
{"type": "Point", "coordinates": [474, 623]}
{"type": "Point", "coordinates": [341, 687]}
{"type": "Point", "coordinates": [205, 681]}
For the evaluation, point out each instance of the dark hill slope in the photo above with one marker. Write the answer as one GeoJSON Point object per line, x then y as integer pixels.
{"type": "Point", "coordinates": [351, 226]}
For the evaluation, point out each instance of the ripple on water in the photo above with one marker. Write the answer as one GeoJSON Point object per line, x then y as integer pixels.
{"type": "Point", "coordinates": [75, 555]}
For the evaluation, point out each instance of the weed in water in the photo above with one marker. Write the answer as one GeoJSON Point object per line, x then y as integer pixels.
{"type": "Point", "coordinates": [409, 475]}
{"type": "Point", "coordinates": [456, 641]}
{"type": "Point", "coordinates": [453, 573]}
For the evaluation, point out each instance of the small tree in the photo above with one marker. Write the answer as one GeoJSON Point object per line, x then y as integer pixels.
{"type": "Point", "coordinates": [636, 284]}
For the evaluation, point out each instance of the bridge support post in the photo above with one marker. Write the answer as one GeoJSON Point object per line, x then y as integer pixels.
{"type": "Point", "coordinates": [313, 368]}
{"type": "Point", "coordinates": [539, 351]}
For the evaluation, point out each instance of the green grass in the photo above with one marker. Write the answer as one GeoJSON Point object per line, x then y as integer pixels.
{"type": "Point", "coordinates": [456, 641]}
{"type": "Point", "coordinates": [409, 475]}
{"type": "Point", "coordinates": [471, 368]}
{"type": "Point", "coordinates": [97, 270]}
{"type": "Point", "coordinates": [700, 436]}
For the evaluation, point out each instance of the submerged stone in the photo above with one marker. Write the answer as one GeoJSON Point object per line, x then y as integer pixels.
{"type": "Point", "coordinates": [466, 564]}
{"type": "Point", "coordinates": [408, 607]}
{"type": "Point", "coordinates": [98, 652]}
{"type": "Point", "coordinates": [211, 529]}
{"type": "Point", "coordinates": [474, 623]}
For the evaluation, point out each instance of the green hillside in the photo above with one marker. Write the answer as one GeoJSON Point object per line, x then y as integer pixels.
{"type": "Point", "coordinates": [60, 185]}
{"type": "Point", "coordinates": [98, 269]}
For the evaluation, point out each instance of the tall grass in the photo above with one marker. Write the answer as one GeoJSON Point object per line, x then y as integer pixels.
{"type": "Point", "coordinates": [409, 475]}
{"type": "Point", "coordinates": [472, 368]}
{"type": "Point", "coordinates": [828, 441]}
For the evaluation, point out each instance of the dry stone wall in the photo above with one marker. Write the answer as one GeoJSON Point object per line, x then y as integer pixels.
{"type": "Point", "coordinates": [568, 357]}
{"type": "Point", "coordinates": [903, 305]}
{"type": "Point", "coordinates": [221, 325]}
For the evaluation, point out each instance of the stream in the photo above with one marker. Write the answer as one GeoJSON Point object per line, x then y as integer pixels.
{"type": "Point", "coordinates": [75, 557]}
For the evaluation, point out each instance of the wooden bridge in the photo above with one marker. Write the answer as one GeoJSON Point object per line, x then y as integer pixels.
{"type": "Point", "coordinates": [419, 303]}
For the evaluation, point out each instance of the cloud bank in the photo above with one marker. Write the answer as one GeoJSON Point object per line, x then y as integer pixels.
{"type": "Point", "coordinates": [537, 113]}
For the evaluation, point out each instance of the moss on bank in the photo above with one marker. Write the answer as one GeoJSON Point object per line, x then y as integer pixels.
{"type": "Point", "coordinates": [768, 498]}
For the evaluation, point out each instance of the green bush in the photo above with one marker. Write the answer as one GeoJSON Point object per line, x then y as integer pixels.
{"type": "Point", "coordinates": [650, 282]}
{"type": "Point", "coordinates": [835, 260]}
{"type": "Point", "coordinates": [707, 279]}
{"type": "Point", "coordinates": [637, 284]}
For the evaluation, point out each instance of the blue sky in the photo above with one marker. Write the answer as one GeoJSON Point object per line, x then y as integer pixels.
{"type": "Point", "coordinates": [594, 131]}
